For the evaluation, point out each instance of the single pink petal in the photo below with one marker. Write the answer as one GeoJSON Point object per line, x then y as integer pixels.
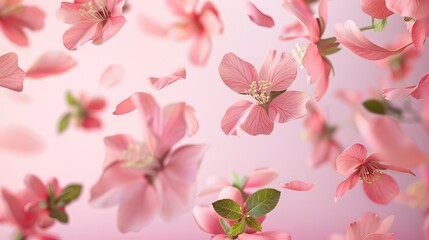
{"type": "Point", "coordinates": [375, 8]}
{"type": "Point", "coordinates": [207, 219]}
{"type": "Point", "coordinates": [351, 158]}
{"type": "Point", "coordinates": [382, 190]}
{"type": "Point", "coordinates": [116, 147]}
{"type": "Point", "coordinates": [36, 186]}
{"type": "Point", "coordinates": [192, 124]}
{"type": "Point", "coordinates": [398, 93]}
{"type": "Point", "coordinates": [288, 105]}
{"type": "Point", "coordinates": [349, 35]}
{"type": "Point", "coordinates": [214, 185]}
{"type": "Point", "coordinates": [90, 122]}
{"type": "Point", "coordinates": [152, 27]}
{"type": "Point", "coordinates": [210, 19]}
{"type": "Point", "coordinates": [409, 8]}
{"type": "Point", "coordinates": [260, 177]}
{"type": "Point", "coordinates": [117, 185]}
{"type": "Point", "coordinates": [13, 30]}
{"type": "Point", "coordinates": [51, 63]}
{"type": "Point", "coordinates": [236, 73]}
{"type": "Point", "coordinates": [139, 210]}
{"type": "Point", "coordinates": [256, 16]}
{"type": "Point", "coordinates": [232, 193]}
{"type": "Point", "coordinates": [110, 29]}
{"type": "Point", "coordinates": [81, 33]}
{"type": "Point", "coordinates": [95, 104]}
{"type": "Point", "coordinates": [418, 33]}
{"type": "Point", "coordinates": [279, 69]}
{"type": "Point", "coordinates": [394, 168]}
{"type": "Point", "coordinates": [234, 116]}
{"type": "Point", "coordinates": [298, 186]}
{"type": "Point", "coordinates": [257, 122]}
{"type": "Point", "coordinates": [200, 49]}
{"type": "Point", "coordinates": [112, 76]}
{"type": "Point", "coordinates": [160, 83]}
{"type": "Point", "coordinates": [422, 87]}
{"type": "Point", "coordinates": [301, 10]}
{"type": "Point", "coordinates": [20, 140]}
{"type": "Point", "coordinates": [124, 107]}
{"type": "Point", "coordinates": [11, 76]}
{"type": "Point", "coordinates": [346, 185]}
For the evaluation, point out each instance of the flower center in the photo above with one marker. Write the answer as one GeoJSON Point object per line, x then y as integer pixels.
{"type": "Point", "coordinates": [94, 10]}
{"type": "Point", "coordinates": [369, 173]}
{"type": "Point", "coordinates": [298, 53]}
{"type": "Point", "coordinates": [259, 91]}
{"type": "Point", "coordinates": [138, 156]}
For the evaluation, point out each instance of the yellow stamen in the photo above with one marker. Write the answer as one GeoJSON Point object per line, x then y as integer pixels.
{"type": "Point", "coordinates": [259, 91]}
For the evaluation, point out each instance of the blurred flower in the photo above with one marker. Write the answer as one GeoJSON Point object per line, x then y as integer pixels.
{"type": "Point", "coordinates": [144, 178]}
{"type": "Point", "coordinates": [198, 25]}
{"type": "Point", "coordinates": [378, 186]}
{"type": "Point", "coordinates": [96, 20]}
{"type": "Point", "coordinates": [273, 100]}
{"type": "Point", "coordinates": [11, 76]}
{"type": "Point", "coordinates": [51, 63]}
{"type": "Point", "coordinates": [14, 18]}
{"type": "Point", "coordinates": [85, 112]}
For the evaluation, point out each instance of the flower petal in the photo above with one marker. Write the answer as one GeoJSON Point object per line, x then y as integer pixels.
{"type": "Point", "coordinates": [375, 8]}
{"type": "Point", "coordinates": [207, 219]}
{"type": "Point", "coordinates": [214, 184]}
{"type": "Point", "coordinates": [288, 105]}
{"type": "Point", "coordinates": [346, 185]}
{"type": "Point", "coordinates": [409, 8]}
{"type": "Point", "coordinates": [200, 49]}
{"type": "Point", "coordinates": [418, 33]}
{"type": "Point", "coordinates": [365, 225]}
{"type": "Point", "coordinates": [69, 13]}
{"type": "Point", "coordinates": [20, 140]}
{"type": "Point", "coordinates": [116, 147]}
{"type": "Point", "coordinates": [160, 83]}
{"type": "Point", "coordinates": [386, 224]}
{"type": "Point", "coordinates": [234, 116]}
{"type": "Point", "coordinates": [301, 10]}
{"type": "Point", "coordinates": [232, 193]}
{"type": "Point", "coordinates": [112, 76]}
{"type": "Point", "coordinates": [350, 36]}
{"type": "Point", "coordinates": [192, 124]}
{"type": "Point", "coordinates": [210, 20]}
{"type": "Point", "coordinates": [11, 76]}
{"type": "Point", "coordinates": [110, 29]}
{"type": "Point", "coordinates": [81, 33]}
{"type": "Point", "coordinates": [51, 63]}
{"type": "Point", "coordinates": [260, 177]}
{"type": "Point", "coordinates": [257, 122]}
{"type": "Point", "coordinates": [298, 186]}
{"type": "Point", "coordinates": [256, 16]}
{"type": "Point", "coordinates": [279, 68]}
{"type": "Point", "coordinates": [36, 186]}
{"type": "Point", "coordinates": [351, 158]}
{"type": "Point", "coordinates": [383, 190]}
{"type": "Point", "coordinates": [236, 73]}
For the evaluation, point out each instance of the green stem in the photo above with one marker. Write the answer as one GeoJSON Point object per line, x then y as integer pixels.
{"type": "Point", "coordinates": [367, 28]}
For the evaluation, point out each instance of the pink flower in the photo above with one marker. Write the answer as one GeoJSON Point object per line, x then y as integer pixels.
{"type": "Point", "coordinates": [350, 35]}
{"type": "Point", "coordinates": [272, 102]}
{"type": "Point", "coordinates": [153, 176]}
{"type": "Point", "coordinates": [11, 76]}
{"type": "Point", "coordinates": [14, 18]}
{"type": "Point", "coordinates": [368, 227]}
{"type": "Point", "coordinates": [378, 186]}
{"type": "Point", "coordinates": [96, 20]}
{"type": "Point", "coordinates": [198, 25]}
{"type": "Point", "coordinates": [208, 220]}
{"type": "Point", "coordinates": [255, 179]}
{"type": "Point", "coordinates": [313, 57]}
{"type": "Point", "coordinates": [325, 148]}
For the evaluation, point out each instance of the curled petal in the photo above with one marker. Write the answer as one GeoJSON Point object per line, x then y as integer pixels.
{"type": "Point", "coordinates": [301, 10]}
{"type": "Point", "coordinates": [160, 83]}
{"type": "Point", "coordinates": [298, 186]}
{"type": "Point", "coordinates": [350, 36]}
{"type": "Point", "coordinates": [11, 76]}
{"type": "Point", "coordinates": [375, 8]}
{"type": "Point", "coordinates": [51, 63]}
{"type": "Point", "coordinates": [260, 177]}
{"type": "Point", "coordinates": [383, 190]}
{"type": "Point", "coordinates": [256, 16]}
{"type": "Point", "coordinates": [112, 76]}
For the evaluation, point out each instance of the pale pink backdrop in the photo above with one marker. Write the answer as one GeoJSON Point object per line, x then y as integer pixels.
{"type": "Point", "coordinates": [76, 156]}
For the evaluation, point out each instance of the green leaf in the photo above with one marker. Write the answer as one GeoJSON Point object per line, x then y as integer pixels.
{"type": "Point", "coordinates": [236, 229]}
{"type": "Point", "coordinates": [252, 223]}
{"type": "Point", "coordinates": [225, 226]}
{"type": "Point", "coordinates": [64, 122]}
{"type": "Point", "coordinates": [71, 100]}
{"type": "Point", "coordinates": [59, 215]}
{"type": "Point", "coordinates": [375, 106]}
{"type": "Point", "coordinates": [70, 193]}
{"type": "Point", "coordinates": [380, 25]}
{"type": "Point", "coordinates": [228, 209]}
{"type": "Point", "coordinates": [262, 202]}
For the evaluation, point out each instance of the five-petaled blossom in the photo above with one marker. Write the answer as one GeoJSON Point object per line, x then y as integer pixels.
{"type": "Point", "coordinates": [96, 20]}
{"type": "Point", "coordinates": [378, 186]}
{"type": "Point", "coordinates": [144, 178]}
{"type": "Point", "coordinates": [209, 221]}
{"type": "Point", "coordinates": [14, 18]}
{"type": "Point", "coordinates": [273, 103]}
{"type": "Point", "coordinates": [193, 24]}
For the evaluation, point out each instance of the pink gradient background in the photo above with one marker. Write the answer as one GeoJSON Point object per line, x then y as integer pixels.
{"type": "Point", "coordinates": [77, 156]}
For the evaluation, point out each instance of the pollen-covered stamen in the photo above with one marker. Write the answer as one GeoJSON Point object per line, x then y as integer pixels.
{"type": "Point", "coordinates": [369, 173]}
{"type": "Point", "coordinates": [259, 91]}
{"type": "Point", "coordinates": [298, 53]}
{"type": "Point", "coordinates": [136, 156]}
{"type": "Point", "coordinates": [94, 10]}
